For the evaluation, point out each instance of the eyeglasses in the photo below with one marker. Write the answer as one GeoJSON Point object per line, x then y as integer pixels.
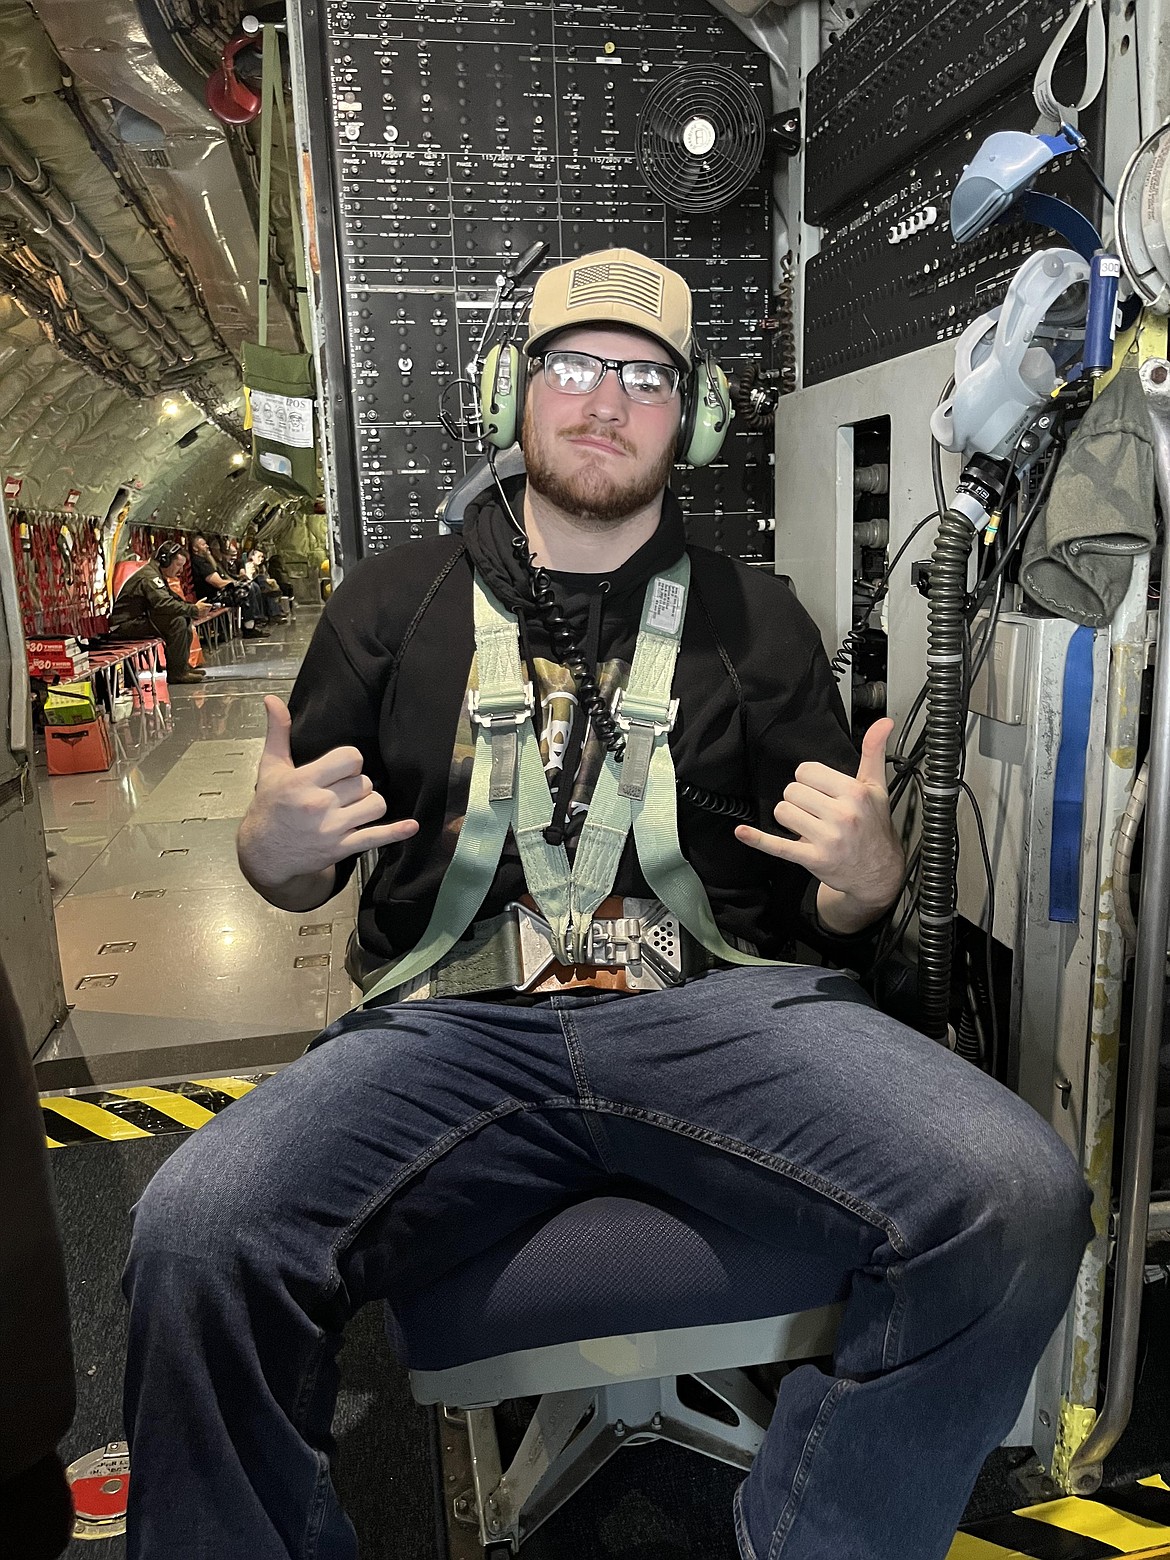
{"type": "Point", "coordinates": [579, 373]}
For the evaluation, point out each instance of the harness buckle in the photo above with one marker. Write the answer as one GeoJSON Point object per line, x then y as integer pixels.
{"type": "Point", "coordinates": [646, 942]}
{"type": "Point", "coordinates": [503, 732]}
{"type": "Point", "coordinates": [658, 727]}
{"type": "Point", "coordinates": [507, 717]}
{"type": "Point", "coordinates": [641, 736]}
{"type": "Point", "coordinates": [536, 949]}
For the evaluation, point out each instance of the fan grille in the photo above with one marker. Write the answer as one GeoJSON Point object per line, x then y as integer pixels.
{"type": "Point", "coordinates": [700, 138]}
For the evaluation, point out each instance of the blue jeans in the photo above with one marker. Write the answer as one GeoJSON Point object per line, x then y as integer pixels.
{"type": "Point", "coordinates": [777, 1100]}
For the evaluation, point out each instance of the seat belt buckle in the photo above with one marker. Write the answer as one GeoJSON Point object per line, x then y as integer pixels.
{"type": "Point", "coordinates": [645, 941]}
{"type": "Point", "coordinates": [641, 736]}
{"type": "Point", "coordinates": [625, 722]}
{"type": "Point", "coordinates": [503, 730]}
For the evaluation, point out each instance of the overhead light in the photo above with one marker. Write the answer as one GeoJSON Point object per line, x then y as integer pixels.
{"type": "Point", "coordinates": [239, 458]}
{"type": "Point", "coordinates": [171, 408]}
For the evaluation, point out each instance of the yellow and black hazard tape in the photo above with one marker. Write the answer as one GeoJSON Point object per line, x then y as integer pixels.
{"type": "Point", "coordinates": [116, 1115]}
{"type": "Point", "coordinates": [1131, 1520]}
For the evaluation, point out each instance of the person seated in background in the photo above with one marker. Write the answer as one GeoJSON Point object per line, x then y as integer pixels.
{"type": "Point", "coordinates": [234, 566]}
{"type": "Point", "coordinates": [175, 585]}
{"type": "Point", "coordinates": [147, 608]}
{"type": "Point", "coordinates": [276, 569]}
{"type": "Point", "coordinates": [256, 571]}
{"type": "Point", "coordinates": [218, 587]}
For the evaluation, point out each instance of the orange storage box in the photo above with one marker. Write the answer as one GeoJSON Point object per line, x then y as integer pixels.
{"type": "Point", "coordinates": [79, 750]}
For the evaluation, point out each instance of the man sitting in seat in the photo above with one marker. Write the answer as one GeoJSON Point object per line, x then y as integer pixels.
{"type": "Point", "coordinates": [256, 570]}
{"type": "Point", "coordinates": [222, 589]}
{"type": "Point", "coordinates": [511, 1062]}
{"type": "Point", "coordinates": [147, 608]}
{"type": "Point", "coordinates": [278, 573]}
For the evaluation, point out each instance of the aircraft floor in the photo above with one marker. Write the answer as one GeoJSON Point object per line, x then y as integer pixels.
{"type": "Point", "coordinates": [168, 956]}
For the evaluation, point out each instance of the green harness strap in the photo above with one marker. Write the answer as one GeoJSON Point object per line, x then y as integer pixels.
{"type": "Point", "coordinates": [509, 788]}
{"type": "Point", "coordinates": [641, 793]}
{"type": "Point", "coordinates": [501, 712]}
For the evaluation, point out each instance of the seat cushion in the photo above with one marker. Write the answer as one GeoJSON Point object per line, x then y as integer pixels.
{"type": "Point", "coordinates": [607, 1266]}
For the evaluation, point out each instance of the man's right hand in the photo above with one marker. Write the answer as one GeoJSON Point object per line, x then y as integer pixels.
{"type": "Point", "coordinates": [303, 821]}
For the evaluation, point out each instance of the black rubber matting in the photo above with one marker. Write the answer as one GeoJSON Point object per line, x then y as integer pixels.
{"type": "Point", "coordinates": [648, 1503]}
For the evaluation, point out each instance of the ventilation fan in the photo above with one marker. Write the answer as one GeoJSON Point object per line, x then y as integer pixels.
{"type": "Point", "coordinates": [701, 137]}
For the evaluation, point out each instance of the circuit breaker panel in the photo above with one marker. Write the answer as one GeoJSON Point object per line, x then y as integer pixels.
{"type": "Point", "coordinates": [894, 113]}
{"type": "Point", "coordinates": [459, 133]}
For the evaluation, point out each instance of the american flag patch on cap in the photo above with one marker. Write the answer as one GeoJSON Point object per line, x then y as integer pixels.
{"type": "Point", "coordinates": [616, 281]}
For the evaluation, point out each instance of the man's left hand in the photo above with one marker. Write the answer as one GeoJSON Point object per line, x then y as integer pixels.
{"type": "Point", "coordinates": [843, 835]}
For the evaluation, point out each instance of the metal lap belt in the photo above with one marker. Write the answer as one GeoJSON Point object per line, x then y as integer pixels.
{"type": "Point", "coordinates": [509, 789]}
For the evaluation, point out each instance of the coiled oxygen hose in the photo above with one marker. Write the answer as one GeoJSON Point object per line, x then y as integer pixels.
{"type": "Point", "coordinates": [945, 707]}
{"type": "Point", "coordinates": [980, 493]}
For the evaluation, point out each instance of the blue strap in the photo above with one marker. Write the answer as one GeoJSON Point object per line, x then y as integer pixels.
{"type": "Point", "coordinates": [1051, 212]}
{"type": "Point", "coordinates": [1068, 797]}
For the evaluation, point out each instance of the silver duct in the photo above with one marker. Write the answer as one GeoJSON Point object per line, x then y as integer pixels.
{"type": "Point", "coordinates": [72, 254]}
{"type": "Point", "coordinates": [59, 221]}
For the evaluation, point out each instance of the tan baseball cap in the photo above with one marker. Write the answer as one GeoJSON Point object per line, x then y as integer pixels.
{"type": "Point", "coordinates": [614, 287]}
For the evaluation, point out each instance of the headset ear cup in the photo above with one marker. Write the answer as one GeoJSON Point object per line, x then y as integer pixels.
{"type": "Point", "coordinates": [706, 415]}
{"type": "Point", "coordinates": [501, 389]}
{"type": "Point", "coordinates": [686, 427]}
{"type": "Point", "coordinates": [523, 369]}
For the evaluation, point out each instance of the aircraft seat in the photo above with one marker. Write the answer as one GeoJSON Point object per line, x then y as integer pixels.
{"type": "Point", "coordinates": [632, 1319]}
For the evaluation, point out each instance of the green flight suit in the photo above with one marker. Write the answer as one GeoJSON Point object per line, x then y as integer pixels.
{"type": "Point", "coordinates": [146, 608]}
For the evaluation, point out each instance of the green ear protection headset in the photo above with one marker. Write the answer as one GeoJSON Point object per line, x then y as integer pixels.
{"type": "Point", "coordinates": [706, 404]}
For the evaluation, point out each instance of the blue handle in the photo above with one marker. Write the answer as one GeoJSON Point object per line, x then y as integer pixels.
{"type": "Point", "coordinates": [1101, 324]}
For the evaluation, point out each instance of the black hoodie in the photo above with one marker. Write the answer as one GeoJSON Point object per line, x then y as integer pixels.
{"type": "Point", "coordinates": [388, 672]}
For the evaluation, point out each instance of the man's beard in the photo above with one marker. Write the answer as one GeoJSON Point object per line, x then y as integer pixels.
{"type": "Point", "coordinates": [592, 495]}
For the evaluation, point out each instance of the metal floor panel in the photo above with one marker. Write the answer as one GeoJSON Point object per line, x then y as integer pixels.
{"type": "Point", "coordinates": [73, 852]}
{"type": "Point", "coordinates": [188, 855]}
{"type": "Point", "coordinates": [221, 957]}
{"type": "Point", "coordinates": [277, 655]}
{"type": "Point", "coordinates": [93, 1035]}
{"type": "Point", "coordinates": [212, 779]}
{"type": "Point", "coordinates": [195, 855]}
{"type": "Point", "coordinates": [208, 716]}
{"type": "Point", "coordinates": [343, 994]}
{"type": "Point", "coordinates": [164, 947]}
{"type": "Point", "coordinates": [68, 801]}
{"type": "Point", "coordinates": [113, 1050]}
{"type": "Point", "coordinates": [211, 693]}
{"type": "Point", "coordinates": [285, 668]}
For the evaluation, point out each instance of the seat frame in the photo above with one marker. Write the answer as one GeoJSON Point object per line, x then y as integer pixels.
{"type": "Point", "coordinates": [598, 1395]}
